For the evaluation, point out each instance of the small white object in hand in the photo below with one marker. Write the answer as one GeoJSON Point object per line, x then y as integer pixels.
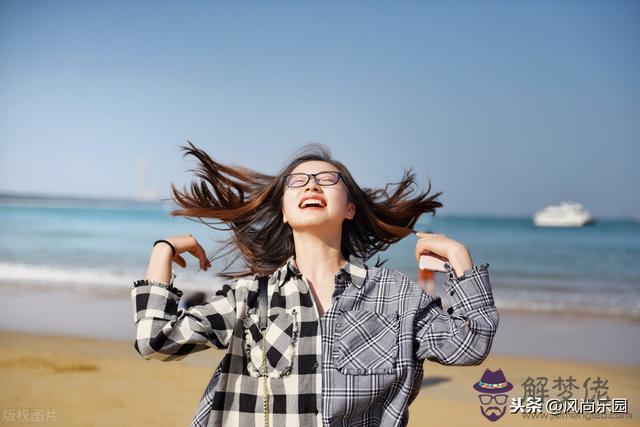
{"type": "Point", "coordinates": [430, 262]}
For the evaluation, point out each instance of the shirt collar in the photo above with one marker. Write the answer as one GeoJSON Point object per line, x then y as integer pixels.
{"type": "Point", "coordinates": [354, 270]}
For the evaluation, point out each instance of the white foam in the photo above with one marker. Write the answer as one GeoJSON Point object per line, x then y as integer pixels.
{"type": "Point", "coordinates": [90, 278]}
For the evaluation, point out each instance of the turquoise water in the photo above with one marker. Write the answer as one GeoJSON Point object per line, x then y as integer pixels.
{"type": "Point", "coordinates": [99, 243]}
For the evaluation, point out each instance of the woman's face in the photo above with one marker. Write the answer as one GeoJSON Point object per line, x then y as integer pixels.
{"type": "Point", "coordinates": [334, 198]}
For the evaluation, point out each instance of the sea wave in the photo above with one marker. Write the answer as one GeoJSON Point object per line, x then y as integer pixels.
{"type": "Point", "coordinates": [557, 300]}
{"type": "Point", "coordinates": [54, 277]}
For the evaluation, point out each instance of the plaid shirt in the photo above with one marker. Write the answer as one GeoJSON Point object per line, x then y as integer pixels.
{"type": "Point", "coordinates": [360, 364]}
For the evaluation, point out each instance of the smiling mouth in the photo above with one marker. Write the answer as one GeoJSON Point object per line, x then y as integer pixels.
{"type": "Point", "coordinates": [312, 204]}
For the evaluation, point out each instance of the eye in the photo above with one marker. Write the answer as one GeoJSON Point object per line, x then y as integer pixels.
{"type": "Point", "coordinates": [327, 178]}
{"type": "Point", "coordinates": [296, 180]}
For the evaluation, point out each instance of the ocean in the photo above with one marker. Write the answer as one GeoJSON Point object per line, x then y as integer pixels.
{"type": "Point", "coordinates": [83, 244]}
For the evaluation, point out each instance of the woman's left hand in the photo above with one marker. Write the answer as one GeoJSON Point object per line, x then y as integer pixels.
{"type": "Point", "coordinates": [445, 248]}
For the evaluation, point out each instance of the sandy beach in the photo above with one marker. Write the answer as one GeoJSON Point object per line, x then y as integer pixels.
{"type": "Point", "coordinates": [96, 382]}
{"type": "Point", "coordinates": [74, 364]}
{"type": "Point", "coordinates": [67, 358]}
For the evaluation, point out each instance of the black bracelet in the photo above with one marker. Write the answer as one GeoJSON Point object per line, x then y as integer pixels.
{"type": "Point", "coordinates": [173, 249]}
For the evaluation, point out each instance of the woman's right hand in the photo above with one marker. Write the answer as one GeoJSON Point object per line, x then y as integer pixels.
{"type": "Point", "coordinates": [188, 243]}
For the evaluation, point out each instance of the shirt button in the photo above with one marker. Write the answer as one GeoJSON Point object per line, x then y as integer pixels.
{"type": "Point", "coordinates": [451, 293]}
{"type": "Point", "coordinates": [450, 310]}
{"type": "Point", "coordinates": [315, 365]}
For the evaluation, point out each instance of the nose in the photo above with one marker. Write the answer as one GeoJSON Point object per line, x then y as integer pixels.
{"type": "Point", "coordinates": [312, 183]}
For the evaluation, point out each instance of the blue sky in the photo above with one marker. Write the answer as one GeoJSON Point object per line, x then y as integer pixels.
{"type": "Point", "coordinates": [506, 106]}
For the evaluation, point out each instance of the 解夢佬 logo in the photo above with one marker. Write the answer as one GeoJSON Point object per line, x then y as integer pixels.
{"type": "Point", "coordinates": [492, 389]}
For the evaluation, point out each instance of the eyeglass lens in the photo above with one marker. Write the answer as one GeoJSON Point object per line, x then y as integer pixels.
{"type": "Point", "coordinates": [322, 178]}
{"type": "Point", "coordinates": [487, 398]}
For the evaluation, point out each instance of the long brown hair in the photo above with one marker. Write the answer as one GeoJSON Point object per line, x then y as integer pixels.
{"type": "Point", "coordinates": [249, 203]}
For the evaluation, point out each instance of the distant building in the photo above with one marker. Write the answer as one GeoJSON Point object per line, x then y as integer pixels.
{"type": "Point", "coordinates": [143, 190]}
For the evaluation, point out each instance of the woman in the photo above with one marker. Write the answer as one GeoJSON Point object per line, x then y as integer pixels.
{"type": "Point", "coordinates": [345, 341]}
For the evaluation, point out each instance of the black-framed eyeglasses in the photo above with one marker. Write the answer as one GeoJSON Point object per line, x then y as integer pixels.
{"type": "Point", "coordinates": [500, 399]}
{"type": "Point", "coordinates": [323, 178]}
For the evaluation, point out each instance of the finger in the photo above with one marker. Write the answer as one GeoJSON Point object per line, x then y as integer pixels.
{"type": "Point", "coordinates": [203, 258]}
{"type": "Point", "coordinates": [199, 253]}
{"type": "Point", "coordinates": [180, 261]}
{"type": "Point", "coordinates": [436, 249]}
{"type": "Point", "coordinates": [429, 246]}
{"type": "Point", "coordinates": [421, 248]}
{"type": "Point", "coordinates": [435, 255]}
{"type": "Point", "coordinates": [422, 245]}
{"type": "Point", "coordinates": [422, 236]}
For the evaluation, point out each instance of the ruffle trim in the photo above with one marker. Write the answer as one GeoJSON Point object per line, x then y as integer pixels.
{"type": "Point", "coordinates": [168, 286]}
{"type": "Point", "coordinates": [467, 274]}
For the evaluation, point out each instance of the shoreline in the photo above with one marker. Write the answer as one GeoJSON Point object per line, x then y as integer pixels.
{"type": "Point", "coordinates": [108, 314]}
{"type": "Point", "coordinates": [572, 314]}
{"type": "Point", "coordinates": [115, 291]}
{"type": "Point", "coordinates": [516, 294]}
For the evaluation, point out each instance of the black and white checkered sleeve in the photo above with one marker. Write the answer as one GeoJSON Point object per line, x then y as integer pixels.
{"type": "Point", "coordinates": [462, 335]}
{"type": "Point", "coordinates": [166, 332]}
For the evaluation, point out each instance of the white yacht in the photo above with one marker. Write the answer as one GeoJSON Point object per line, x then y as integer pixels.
{"type": "Point", "coordinates": [566, 214]}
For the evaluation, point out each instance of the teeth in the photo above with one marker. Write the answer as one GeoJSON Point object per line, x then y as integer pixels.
{"type": "Point", "coordinates": [312, 202]}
